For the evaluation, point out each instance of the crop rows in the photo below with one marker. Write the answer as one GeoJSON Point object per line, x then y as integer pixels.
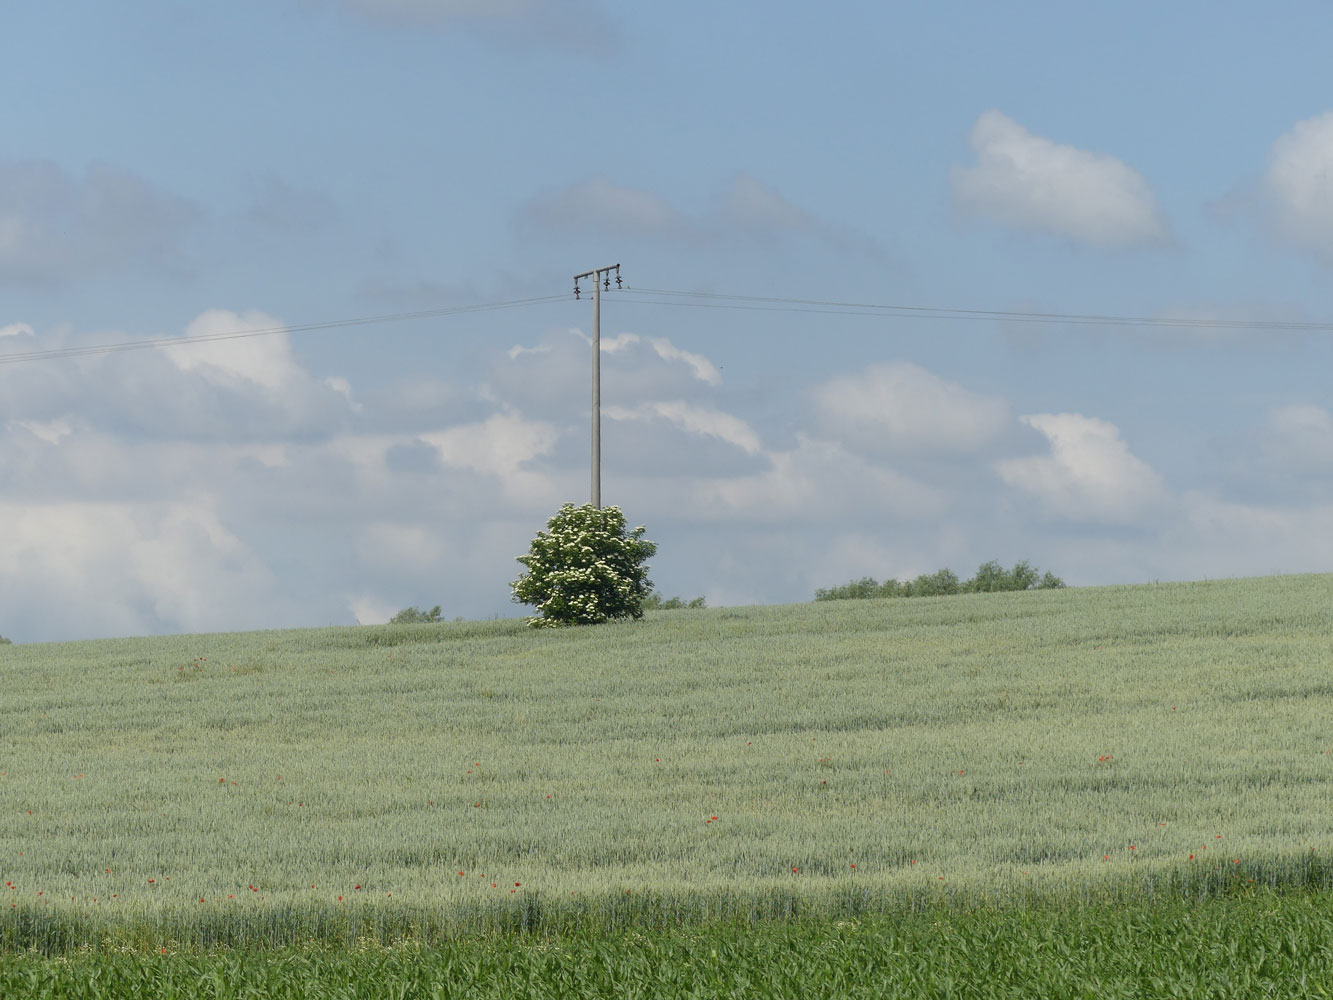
{"type": "Point", "coordinates": [821, 759]}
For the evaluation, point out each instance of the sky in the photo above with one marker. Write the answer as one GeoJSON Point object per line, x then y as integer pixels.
{"type": "Point", "coordinates": [172, 171]}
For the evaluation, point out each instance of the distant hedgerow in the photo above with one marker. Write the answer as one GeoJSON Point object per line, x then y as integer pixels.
{"type": "Point", "coordinates": [991, 577]}
{"type": "Point", "coordinates": [415, 616]}
{"type": "Point", "coordinates": [656, 602]}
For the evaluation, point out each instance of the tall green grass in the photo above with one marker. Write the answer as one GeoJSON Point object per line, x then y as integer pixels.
{"type": "Point", "coordinates": [1257, 944]}
{"type": "Point", "coordinates": [1075, 744]}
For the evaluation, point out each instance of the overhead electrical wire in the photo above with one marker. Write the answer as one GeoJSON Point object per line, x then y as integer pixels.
{"type": "Point", "coordinates": [698, 300]}
{"type": "Point", "coordinates": [141, 345]}
{"type": "Point", "coordinates": [721, 300]}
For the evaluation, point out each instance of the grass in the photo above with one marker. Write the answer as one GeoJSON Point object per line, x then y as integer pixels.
{"type": "Point", "coordinates": [1255, 944]}
{"type": "Point", "coordinates": [994, 751]}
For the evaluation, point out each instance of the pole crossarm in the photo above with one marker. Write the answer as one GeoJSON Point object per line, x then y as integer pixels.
{"type": "Point", "coordinates": [597, 271]}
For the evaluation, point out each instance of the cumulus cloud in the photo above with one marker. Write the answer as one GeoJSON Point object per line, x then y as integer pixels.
{"type": "Point", "coordinates": [551, 378]}
{"type": "Point", "coordinates": [817, 481]}
{"type": "Point", "coordinates": [700, 420]}
{"type": "Point", "coordinates": [1298, 183]}
{"type": "Point", "coordinates": [56, 227]}
{"type": "Point", "coordinates": [97, 568]}
{"type": "Point", "coordinates": [900, 408]}
{"type": "Point", "coordinates": [1031, 183]}
{"type": "Point", "coordinates": [699, 366]}
{"type": "Point", "coordinates": [1089, 473]}
{"type": "Point", "coordinates": [1289, 456]}
{"type": "Point", "coordinates": [265, 361]}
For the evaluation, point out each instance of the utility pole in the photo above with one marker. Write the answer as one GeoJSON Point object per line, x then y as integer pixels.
{"type": "Point", "coordinates": [601, 277]}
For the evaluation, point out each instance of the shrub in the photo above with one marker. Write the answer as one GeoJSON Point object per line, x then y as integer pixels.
{"type": "Point", "coordinates": [991, 577]}
{"type": "Point", "coordinates": [655, 602]}
{"type": "Point", "coordinates": [585, 569]}
{"type": "Point", "coordinates": [415, 616]}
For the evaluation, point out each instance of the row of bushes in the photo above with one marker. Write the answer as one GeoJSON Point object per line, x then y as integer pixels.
{"type": "Point", "coordinates": [991, 577]}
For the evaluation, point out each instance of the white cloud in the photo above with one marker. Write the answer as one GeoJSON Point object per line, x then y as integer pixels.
{"type": "Point", "coordinates": [1031, 183]}
{"type": "Point", "coordinates": [899, 408]}
{"type": "Point", "coordinates": [1299, 183]}
{"type": "Point", "coordinates": [16, 330]}
{"type": "Point", "coordinates": [814, 481]}
{"type": "Point", "coordinates": [1299, 437]}
{"type": "Point", "coordinates": [88, 569]}
{"type": "Point", "coordinates": [518, 350]}
{"type": "Point", "coordinates": [1089, 474]}
{"type": "Point", "coordinates": [1222, 538]}
{"type": "Point", "coordinates": [497, 446]}
{"type": "Point", "coordinates": [50, 431]}
{"type": "Point", "coordinates": [700, 367]}
{"type": "Point", "coordinates": [367, 609]}
{"type": "Point", "coordinates": [265, 360]}
{"type": "Point", "coordinates": [694, 419]}
{"type": "Point", "coordinates": [396, 546]}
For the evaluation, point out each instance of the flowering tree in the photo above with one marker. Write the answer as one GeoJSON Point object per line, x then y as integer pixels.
{"type": "Point", "coordinates": [585, 568]}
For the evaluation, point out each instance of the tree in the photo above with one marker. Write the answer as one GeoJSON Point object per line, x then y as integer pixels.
{"type": "Point", "coordinates": [585, 569]}
{"type": "Point", "coordinates": [936, 584]}
{"type": "Point", "coordinates": [415, 616]}
{"type": "Point", "coordinates": [656, 602]}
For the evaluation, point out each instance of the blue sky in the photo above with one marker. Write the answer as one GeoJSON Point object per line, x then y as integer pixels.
{"type": "Point", "coordinates": [172, 170]}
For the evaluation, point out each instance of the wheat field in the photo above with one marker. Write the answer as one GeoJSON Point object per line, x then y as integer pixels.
{"type": "Point", "coordinates": [736, 764]}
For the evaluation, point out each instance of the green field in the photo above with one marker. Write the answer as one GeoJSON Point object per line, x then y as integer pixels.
{"type": "Point", "coordinates": [829, 759]}
{"type": "Point", "coordinates": [1254, 945]}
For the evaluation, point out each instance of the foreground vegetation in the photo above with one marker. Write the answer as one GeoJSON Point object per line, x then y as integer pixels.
{"type": "Point", "coordinates": [1253, 944]}
{"type": "Point", "coordinates": [836, 760]}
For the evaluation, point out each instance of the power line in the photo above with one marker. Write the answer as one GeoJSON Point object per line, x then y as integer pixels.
{"type": "Point", "coordinates": [722, 300]}
{"type": "Point", "coordinates": [141, 345]}
{"type": "Point", "coordinates": [703, 300]}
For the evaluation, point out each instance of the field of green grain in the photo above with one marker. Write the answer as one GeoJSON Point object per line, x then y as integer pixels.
{"type": "Point", "coordinates": [1259, 944]}
{"type": "Point", "coordinates": [839, 759]}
